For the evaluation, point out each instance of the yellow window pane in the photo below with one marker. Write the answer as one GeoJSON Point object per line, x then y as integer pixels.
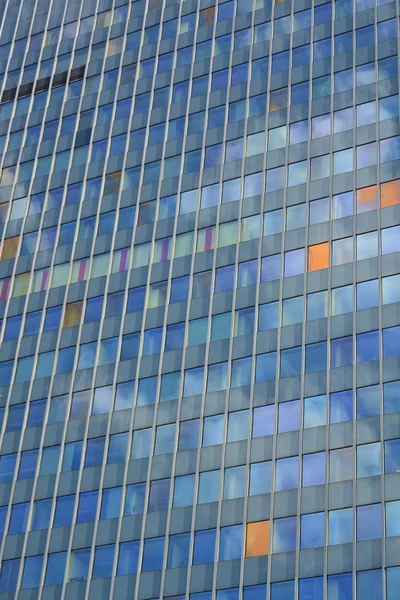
{"type": "Point", "coordinates": [72, 315]}
{"type": "Point", "coordinates": [257, 538]}
{"type": "Point", "coordinates": [390, 193]}
{"type": "Point", "coordinates": [9, 248]}
{"type": "Point", "coordinates": [21, 284]}
{"type": "Point", "coordinates": [318, 257]}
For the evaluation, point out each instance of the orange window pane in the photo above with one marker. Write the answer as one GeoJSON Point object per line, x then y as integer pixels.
{"type": "Point", "coordinates": [390, 193]}
{"type": "Point", "coordinates": [278, 99]}
{"type": "Point", "coordinates": [367, 198]}
{"type": "Point", "coordinates": [9, 248]}
{"type": "Point", "coordinates": [318, 257]}
{"type": "Point", "coordinates": [207, 16]}
{"type": "Point", "coordinates": [72, 315]}
{"type": "Point", "coordinates": [257, 538]}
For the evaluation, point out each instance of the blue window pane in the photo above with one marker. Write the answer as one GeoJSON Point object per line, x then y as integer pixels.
{"type": "Point", "coordinates": [19, 518]}
{"type": "Point", "coordinates": [9, 575]}
{"type": "Point", "coordinates": [209, 487]}
{"type": "Point", "coordinates": [368, 402]}
{"type": "Point", "coordinates": [193, 383]}
{"type": "Point", "coordinates": [342, 352]}
{"type": "Point", "coordinates": [110, 503]}
{"type": "Point", "coordinates": [79, 565]}
{"type": "Point", "coordinates": [231, 542]}
{"type": "Point", "coordinates": [289, 416]}
{"type": "Point", "coordinates": [94, 452]}
{"type": "Point", "coordinates": [260, 478]}
{"type": "Point", "coordinates": [128, 558]}
{"type": "Point", "coordinates": [93, 309]}
{"type": "Point", "coordinates": [134, 499]}
{"type": "Point", "coordinates": [311, 589]}
{"type": "Point", "coordinates": [241, 372]}
{"type": "Point", "coordinates": [392, 583]}
{"type": "Point", "coordinates": [287, 473]}
{"type": "Point", "coordinates": [314, 469]}
{"type": "Point", "coordinates": [204, 547]}
{"type": "Point", "coordinates": [159, 495]}
{"type": "Point", "coordinates": [340, 587]}
{"type": "Point", "coordinates": [178, 550]}
{"type": "Point", "coordinates": [341, 406]}
{"type": "Point", "coordinates": [391, 340]}
{"type": "Point", "coordinates": [153, 554]}
{"type": "Point", "coordinates": [263, 420]}
{"type": "Point", "coordinates": [266, 367]}
{"type": "Point", "coordinates": [141, 443]}
{"type": "Point", "coordinates": [315, 411]}
{"type": "Point", "coordinates": [165, 439]}
{"type": "Point", "coordinates": [103, 561]}
{"type": "Point", "coordinates": [72, 456]}
{"type": "Point", "coordinates": [87, 507]}
{"type": "Point", "coordinates": [117, 448]}
{"type": "Point", "coordinates": [7, 467]}
{"type": "Point", "coordinates": [213, 430]}
{"type": "Point", "coordinates": [340, 526]}
{"type": "Point", "coordinates": [392, 456]}
{"type": "Point", "coordinates": [184, 490]}
{"type": "Point", "coordinates": [64, 511]}
{"type": "Point", "coordinates": [391, 397]}
{"type": "Point", "coordinates": [36, 413]}
{"type": "Point", "coordinates": [368, 346]}
{"type": "Point", "coordinates": [15, 417]}
{"type": "Point", "coordinates": [55, 568]}
{"type": "Point", "coordinates": [48, 465]}
{"type": "Point", "coordinates": [369, 584]}
{"type": "Point", "coordinates": [3, 516]}
{"type": "Point", "coordinates": [254, 592]}
{"type": "Point", "coordinates": [27, 466]}
{"type": "Point", "coordinates": [316, 357]}
{"type": "Point", "coordinates": [41, 514]}
{"type": "Point", "coordinates": [229, 594]}
{"type": "Point", "coordinates": [369, 522]}
{"type": "Point", "coordinates": [282, 591]}
{"type": "Point", "coordinates": [147, 391]}
{"type": "Point", "coordinates": [32, 572]}
{"type": "Point", "coordinates": [284, 536]}
{"type": "Point", "coordinates": [291, 362]}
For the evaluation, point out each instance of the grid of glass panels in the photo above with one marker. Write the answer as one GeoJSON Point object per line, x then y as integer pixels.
{"type": "Point", "coordinates": [199, 287]}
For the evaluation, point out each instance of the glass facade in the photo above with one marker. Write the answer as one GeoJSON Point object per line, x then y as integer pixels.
{"type": "Point", "coordinates": [199, 300]}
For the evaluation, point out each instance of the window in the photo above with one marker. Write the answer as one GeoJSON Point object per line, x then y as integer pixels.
{"type": "Point", "coordinates": [178, 550]}
{"type": "Point", "coordinates": [340, 526]}
{"type": "Point", "coordinates": [128, 558]}
{"type": "Point", "coordinates": [314, 469]}
{"type": "Point", "coordinates": [318, 257]}
{"type": "Point", "coordinates": [103, 561]}
{"type": "Point", "coordinates": [204, 546]}
{"type": "Point", "coordinates": [234, 482]}
{"type": "Point", "coordinates": [55, 568]}
{"type": "Point", "coordinates": [231, 542]}
{"type": "Point", "coordinates": [257, 538]}
{"type": "Point", "coordinates": [284, 535]}
{"type": "Point", "coordinates": [312, 530]}
{"type": "Point", "coordinates": [286, 473]}
{"type": "Point", "coordinates": [153, 554]}
{"type": "Point", "coordinates": [79, 565]}
{"type": "Point", "coordinates": [369, 522]}
{"type": "Point", "coordinates": [260, 478]}
{"type": "Point", "coordinates": [341, 464]}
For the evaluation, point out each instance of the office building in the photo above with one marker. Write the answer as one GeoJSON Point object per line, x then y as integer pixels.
{"type": "Point", "coordinates": [199, 300]}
